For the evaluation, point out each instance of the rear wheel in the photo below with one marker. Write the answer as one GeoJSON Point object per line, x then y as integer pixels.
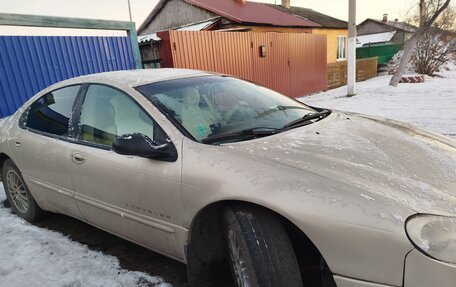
{"type": "Point", "coordinates": [259, 249]}
{"type": "Point", "coordinates": [18, 194]}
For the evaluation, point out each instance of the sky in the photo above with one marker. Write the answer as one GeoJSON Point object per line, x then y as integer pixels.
{"type": "Point", "coordinates": [118, 10]}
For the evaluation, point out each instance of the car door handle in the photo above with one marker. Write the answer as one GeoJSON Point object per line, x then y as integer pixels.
{"type": "Point", "coordinates": [17, 143]}
{"type": "Point", "coordinates": [78, 157]}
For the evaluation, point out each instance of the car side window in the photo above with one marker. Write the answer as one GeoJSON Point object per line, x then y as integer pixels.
{"type": "Point", "coordinates": [52, 112]}
{"type": "Point", "coordinates": [108, 113]}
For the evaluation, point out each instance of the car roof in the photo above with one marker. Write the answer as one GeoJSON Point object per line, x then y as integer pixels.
{"type": "Point", "coordinates": [138, 77]}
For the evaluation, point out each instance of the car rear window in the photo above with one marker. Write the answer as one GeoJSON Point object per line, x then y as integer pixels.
{"type": "Point", "coordinates": [52, 112]}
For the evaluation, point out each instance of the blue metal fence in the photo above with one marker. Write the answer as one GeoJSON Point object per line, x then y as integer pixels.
{"type": "Point", "coordinates": [28, 64]}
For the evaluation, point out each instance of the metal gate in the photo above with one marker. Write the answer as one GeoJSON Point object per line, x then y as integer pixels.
{"type": "Point", "coordinates": [28, 64]}
{"type": "Point", "coordinates": [291, 63]}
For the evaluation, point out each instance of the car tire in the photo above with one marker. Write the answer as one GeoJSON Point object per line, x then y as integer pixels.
{"type": "Point", "coordinates": [260, 251]}
{"type": "Point", "coordinates": [18, 195]}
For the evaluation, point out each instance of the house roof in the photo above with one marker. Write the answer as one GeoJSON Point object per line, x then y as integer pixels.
{"type": "Point", "coordinates": [251, 12]}
{"type": "Point", "coordinates": [374, 38]}
{"type": "Point", "coordinates": [396, 25]}
{"type": "Point", "coordinates": [197, 26]}
{"type": "Point", "coordinates": [324, 20]}
{"type": "Point", "coordinates": [248, 13]}
{"type": "Point", "coordinates": [148, 38]}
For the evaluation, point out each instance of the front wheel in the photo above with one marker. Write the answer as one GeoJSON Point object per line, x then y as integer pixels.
{"type": "Point", "coordinates": [18, 194]}
{"type": "Point", "coordinates": [259, 249]}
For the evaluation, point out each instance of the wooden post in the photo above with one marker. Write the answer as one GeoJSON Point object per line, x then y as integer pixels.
{"type": "Point", "coordinates": [131, 33]}
{"type": "Point", "coordinates": [351, 57]}
{"type": "Point", "coordinates": [77, 23]}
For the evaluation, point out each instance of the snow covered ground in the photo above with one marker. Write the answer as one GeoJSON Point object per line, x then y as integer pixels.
{"type": "Point", "coordinates": [431, 105]}
{"type": "Point", "coordinates": [34, 256]}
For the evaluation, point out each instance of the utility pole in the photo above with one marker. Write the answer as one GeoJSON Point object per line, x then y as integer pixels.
{"type": "Point", "coordinates": [129, 9]}
{"type": "Point", "coordinates": [351, 51]}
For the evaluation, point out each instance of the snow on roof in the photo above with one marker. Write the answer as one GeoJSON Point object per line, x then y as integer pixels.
{"type": "Point", "coordinates": [148, 38]}
{"type": "Point", "coordinates": [199, 26]}
{"type": "Point", "coordinates": [374, 38]}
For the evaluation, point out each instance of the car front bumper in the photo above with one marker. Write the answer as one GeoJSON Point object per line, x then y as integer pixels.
{"type": "Point", "coordinates": [423, 271]}
{"type": "Point", "coordinates": [420, 271]}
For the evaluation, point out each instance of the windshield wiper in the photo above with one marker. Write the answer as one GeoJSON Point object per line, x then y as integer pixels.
{"type": "Point", "coordinates": [247, 133]}
{"type": "Point", "coordinates": [280, 108]}
{"type": "Point", "coordinates": [307, 118]}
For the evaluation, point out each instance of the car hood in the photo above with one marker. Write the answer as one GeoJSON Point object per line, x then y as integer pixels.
{"type": "Point", "coordinates": [381, 160]}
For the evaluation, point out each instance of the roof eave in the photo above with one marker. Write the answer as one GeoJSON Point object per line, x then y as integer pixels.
{"type": "Point", "coordinates": [385, 24]}
{"type": "Point", "coordinates": [332, 27]}
{"type": "Point", "coordinates": [277, 25]}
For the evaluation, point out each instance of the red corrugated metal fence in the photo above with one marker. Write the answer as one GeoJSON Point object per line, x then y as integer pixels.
{"type": "Point", "coordinates": [293, 64]}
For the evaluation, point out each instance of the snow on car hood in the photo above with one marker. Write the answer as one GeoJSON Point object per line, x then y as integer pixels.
{"type": "Point", "coordinates": [387, 161]}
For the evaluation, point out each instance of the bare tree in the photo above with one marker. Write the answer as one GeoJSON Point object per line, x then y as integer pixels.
{"type": "Point", "coordinates": [437, 45]}
{"type": "Point", "coordinates": [429, 11]}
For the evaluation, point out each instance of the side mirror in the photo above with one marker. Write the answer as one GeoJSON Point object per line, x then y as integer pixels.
{"type": "Point", "coordinates": [141, 145]}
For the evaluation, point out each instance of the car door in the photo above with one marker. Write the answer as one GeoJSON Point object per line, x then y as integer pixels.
{"type": "Point", "coordinates": [131, 196]}
{"type": "Point", "coordinates": [40, 149]}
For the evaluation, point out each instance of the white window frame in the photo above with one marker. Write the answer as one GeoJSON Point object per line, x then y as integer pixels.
{"type": "Point", "coordinates": [341, 49]}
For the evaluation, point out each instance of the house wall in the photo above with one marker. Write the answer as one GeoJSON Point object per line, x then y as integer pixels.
{"type": "Point", "coordinates": [176, 13]}
{"type": "Point", "coordinates": [331, 39]}
{"type": "Point", "coordinates": [371, 27]}
{"type": "Point", "coordinates": [149, 51]}
{"type": "Point", "coordinates": [331, 35]}
{"type": "Point", "coordinates": [150, 55]}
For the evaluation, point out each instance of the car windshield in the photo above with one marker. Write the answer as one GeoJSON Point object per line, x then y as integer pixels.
{"type": "Point", "coordinates": [224, 109]}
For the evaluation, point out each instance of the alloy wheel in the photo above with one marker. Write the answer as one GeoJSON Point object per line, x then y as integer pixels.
{"type": "Point", "coordinates": [238, 261]}
{"type": "Point", "coordinates": [17, 192]}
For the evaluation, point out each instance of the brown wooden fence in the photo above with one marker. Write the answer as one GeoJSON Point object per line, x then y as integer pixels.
{"type": "Point", "coordinates": [337, 72]}
{"type": "Point", "coordinates": [291, 63]}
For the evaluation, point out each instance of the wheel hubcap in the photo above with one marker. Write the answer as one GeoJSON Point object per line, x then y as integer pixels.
{"type": "Point", "coordinates": [16, 189]}
{"type": "Point", "coordinates": [238, 261]}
